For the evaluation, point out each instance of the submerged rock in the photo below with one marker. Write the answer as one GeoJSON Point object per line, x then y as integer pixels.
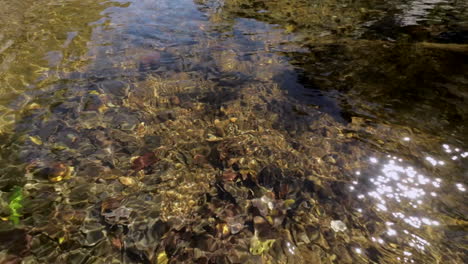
{"type": "Point", "coordinates": [338, 226]}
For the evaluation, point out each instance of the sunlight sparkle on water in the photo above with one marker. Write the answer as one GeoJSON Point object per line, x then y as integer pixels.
{"type": "Point", "coordinates": [291, 248]}
{"type": "Point", "coordinates": [391, 232]}
{"type": "Point", "coordinates": [401, 194]}
{"type": "Point", "coordinates": [460, 187]}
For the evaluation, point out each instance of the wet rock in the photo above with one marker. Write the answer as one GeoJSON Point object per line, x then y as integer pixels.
{"type": "Point", "coordinates": [53, 171]}
{"type": "Point", "coordinates": [262, 227]}
{"type": "Point", "coordinates": [343, 254]}
{"type": "Point", "coordinates": [17, 241]}
{"type": "Point", "coordinates": [164, 116]}
{"type": "Point", "coordinates": [115, 87]}
{"type": "Point", "coordinates": [119, 216]}
{"type": "Point", "coordinates": [174, 100]}
{"type": "Point", "coordinates": [313, 232]}
{"type": "Point", "coordinates": [200, 160]}
{"type": "Point", "coordinates": [48, 129]}
{"type": "Point", "coordinates": [338, 226]}
{"type": "Point", "coordinates": [150, 61]}
{"type": "Point", "coordinates": [270, 177]}
{"type": "Point", "coordinates": [77, 256]}
{"type": "Point", "coordinates": [45, 248]}
{"type": "Point", "coordinates": [93, 237]}
{"type": "Point", "coordinates": [127, 181]}
{"type": "Point", "coordinates": [110, 204]}
{"type": "Point", "coordinates": [152, 141]}
{"type": "Point", "coordinates": [236, 224]}
{"type": "Point", "coordinates": [330, 158]}
{"type": "Point", "coordinates": [123, 119]}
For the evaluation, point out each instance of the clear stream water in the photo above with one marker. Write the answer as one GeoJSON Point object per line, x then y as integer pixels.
{"type": "Point", "coordinates": [233, 131]}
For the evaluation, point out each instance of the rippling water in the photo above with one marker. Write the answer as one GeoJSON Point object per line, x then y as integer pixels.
{"type": "Point", "coordinates": [233, 131]}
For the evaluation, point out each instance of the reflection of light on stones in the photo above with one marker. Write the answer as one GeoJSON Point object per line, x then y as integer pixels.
{"type": "Point", "coordinates": [434, 162]}
{"type": "Point", "coordinates": [460, 187]}
{"type": "Point", "coordinates": [378, 240]}
{"type": "Point", "coordinates": [358, 250]}
{"type": "Point", "coordinates": [398, 183]}
{"type": "Point", "coordinates": [396, 189]}
{"type": "Point", "coordinates": [291, 248]}
{"type": "Point", "coordinates": [455, 151]}
{"type": "Point", "coordinates": [391, 232]}
{"type": "Point", "coordinates": [406, 139]}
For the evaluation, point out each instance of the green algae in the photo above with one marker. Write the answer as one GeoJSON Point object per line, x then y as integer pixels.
{"type": "Point", "coordinates": [15, 205]}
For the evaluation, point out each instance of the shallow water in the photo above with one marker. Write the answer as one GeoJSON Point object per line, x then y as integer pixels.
{"type": "Point", "coordinates": [233, 131]}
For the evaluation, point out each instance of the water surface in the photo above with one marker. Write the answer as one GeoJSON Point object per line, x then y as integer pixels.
{"type": "Point", "coordinates": [235, 131]}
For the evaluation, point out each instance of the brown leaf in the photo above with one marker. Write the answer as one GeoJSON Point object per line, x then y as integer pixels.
{"type": "Point", "coordinates": [110, 204]}
{"type": "Point", "coordinates": [117, 242]}
{"type": "Point", "coordinates": [229, 175]}
{"type": "Point", "coordinates": [144, 161]}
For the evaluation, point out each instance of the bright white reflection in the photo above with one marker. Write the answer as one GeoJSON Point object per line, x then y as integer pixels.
{"type": "Point", "coordinates": [402, 194]}
{"type": "Point", "coordinates": [398, 183]}
{"type": "Point", "coordinates": [460, 187]}
{"type": "Point", "coordinates": [456, 152]}
{"type": "Point", "coordinates": [291, 248]}
{"type": "Point", "coordinates": [435, 162]}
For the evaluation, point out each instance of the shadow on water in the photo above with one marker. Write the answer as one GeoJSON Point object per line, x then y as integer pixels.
{"type": "Point", "coordinates": [385, 61]}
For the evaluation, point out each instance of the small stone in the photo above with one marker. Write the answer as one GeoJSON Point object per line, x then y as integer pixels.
{"type": "Point", "coordinates": [223, 229]}
{"type": "Point", "coordinates": [338, 226]}
{"type": "Point", "coordinates": [127, 181]}
{"type": "Point", "coordinates": [174, 100]}
{"type": "Point", "coordinates": [35, 140]}
{"type": "Point", "coordinates": [164, 116]}
{"type": "Point", "coordinates": [213, 138]}
{"type": "Point", "coordinates": [59, 171]}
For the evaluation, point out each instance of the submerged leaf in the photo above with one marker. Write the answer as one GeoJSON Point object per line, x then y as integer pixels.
{"type": "Point", "coordinates": [257, 247]}
{"type": "Point", "coordinates": [162, 258]}
{"type": "Point", "coordinates": [15, 205]}
{"type": "Point", "coordinates": [144, 161]}
{"type": "Point", "coordinates": [36, 140]}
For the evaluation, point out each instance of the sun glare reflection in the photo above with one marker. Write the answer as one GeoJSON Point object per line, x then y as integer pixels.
{"type": "Point", "coordinates": [403, 193]}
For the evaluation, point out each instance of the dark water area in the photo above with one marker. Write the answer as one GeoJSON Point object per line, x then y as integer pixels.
{"type": "Point", "coordinates": [233, 131]}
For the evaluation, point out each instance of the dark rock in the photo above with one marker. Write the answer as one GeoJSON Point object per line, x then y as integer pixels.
{"type": "Point", "coordinates": [115, 87]}
{"type": "Point", "coordinates": [152, 141]}
{"type": "Point", "coordinates": [164, 116]}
